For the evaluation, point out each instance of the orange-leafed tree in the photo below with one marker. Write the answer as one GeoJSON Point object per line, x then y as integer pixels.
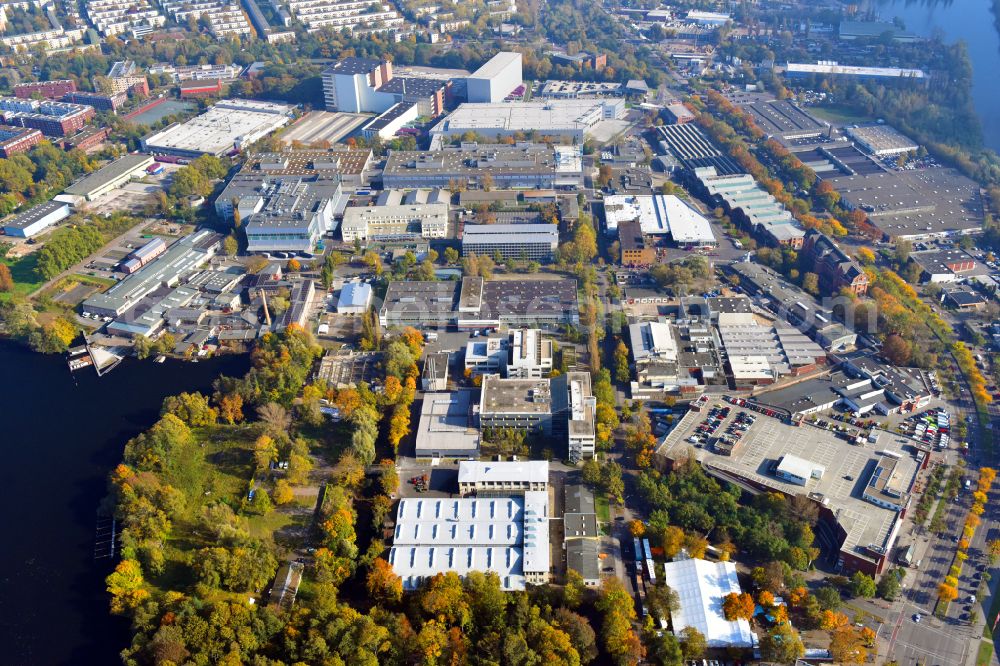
{"type": "Point", "coordinates": [947, 592]}
{"type": "Point", "coordinates": [383, 583]}
{"type": "Point", "coordinates": [738, 606]}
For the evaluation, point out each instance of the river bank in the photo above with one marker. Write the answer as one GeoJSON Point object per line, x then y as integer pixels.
{"type": "Point", "coordinates": [977, 24]}
{"type": "Point", "coordinates": [63, 434]}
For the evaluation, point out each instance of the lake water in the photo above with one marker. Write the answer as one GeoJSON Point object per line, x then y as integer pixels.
{"type": "Point", "coordinates": [969, 20]}
{"type": "Point", "coordinates": [61, 435]}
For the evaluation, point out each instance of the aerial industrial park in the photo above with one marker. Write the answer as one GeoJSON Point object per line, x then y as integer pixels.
{"type": "Point", "coordinates": [664, 333]}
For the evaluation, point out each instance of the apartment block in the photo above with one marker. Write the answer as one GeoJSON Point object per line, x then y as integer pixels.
{"type": "Point", "coordinates": [114, 17]}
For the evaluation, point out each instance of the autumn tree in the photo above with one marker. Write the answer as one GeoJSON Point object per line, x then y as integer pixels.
{"type": "Point", "coordinates": [399, 425]}
{"type": "Point", "coordinates": [125, 585]}
{"type": "Point", "coordinates": [347, 400]}
{"type": "Point", "coordinates": [622, 373]}
{"type": "Point", "coordinates": [275, 418]}
{"type": "Point", "coordinates": [947, 592]}
{"type": "Point", "coordinates": [283, 493]}
{"type": "Point", "coordinates": [738, 606]}
{"type": "Point", "coordinates": [847, 646]}
{"type": "Point", "coordinates": [618, 610]}
{"type": "Point", "coordinates": [265, 451]}
{"type": "Point", "coordinates": [637, 528]}
{"type": "Point", "coordinates": [695, 545]}
{"type": "Point", "coordinates": [231, 408]}
{"type": "Point", "coordinates": [192, 408]}
{"type": "Point", "coordinates": [897, 350]}
{"type": "Point", "coordinates": [672, 540]}
{"type": "Point", "coordinates": [6, 280]}
{"type": "Point", "coordinates": [383, 584]}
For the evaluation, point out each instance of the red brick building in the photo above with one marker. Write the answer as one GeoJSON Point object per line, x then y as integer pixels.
{"type": "Point", "coordinates": [836, 270]}
{"type": "Point", "coordinates": [14, 140]}
{"type": "Point", "coordinates": [205, 88]}
{"type": "Point", "coordinates": [49, 89]}
{"type": "Point", "coordinates": [634, 250]}
{"type": "Point", "coordinates": [85, 139]}
{"type": "Point", "coordinates": [52, 118]}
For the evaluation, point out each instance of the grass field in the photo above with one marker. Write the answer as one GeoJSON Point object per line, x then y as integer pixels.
{"type": "Point", "coordinates": [837, 114]}
{"type": "Point", "coordinates": [23, 272]}
{"type": "Point", "coordinates": [603, 510]}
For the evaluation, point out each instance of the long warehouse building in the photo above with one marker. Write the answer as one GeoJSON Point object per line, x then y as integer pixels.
{"type": "Point", "coordinates": [180, 259]}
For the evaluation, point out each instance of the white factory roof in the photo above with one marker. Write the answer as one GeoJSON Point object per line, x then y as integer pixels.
{"type": "Point", "coordinates": [505, 535]}
{"type": "Point", "coordinates": [751, 367]}
{"type": "Point", "coordinates": [853, 70]}
{"type": "Point", "coordinates": [658, 215]}
{"type": "Point", "coordinates": [355, 295]}
{"type": "Point", "coordinates": [652, 340]}
{"type": "Point", "coordinates": [445, 424]}
{"type": "Point", "coordinates": [684, 224]}
{"type": "Point", "coordinates": [463, 521]}
{"type": "Point", "coordinates": [527, 471]}
{"type": "Point", "coordinates": [224, 126]}
{"type": "Point", "coordinates": [701, 587]}
{"type": "Point", "coordinates": [620, 208]}
{"type": "Point", "coordinates": [699, 15]}
{"type": "Point", "coordinates": [495, 65]}
{"type": "Point", "coordinates": [415, 563]}
{"type": "Point", "coordinates": [536, 530]}
{"type": "Point", "coordinates": [550, 115]}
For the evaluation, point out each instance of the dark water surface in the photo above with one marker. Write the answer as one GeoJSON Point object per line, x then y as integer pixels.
{"type": "Point", "coordinates": [973, 22]}
{"type": "Point", "coordinates": [60, 435]}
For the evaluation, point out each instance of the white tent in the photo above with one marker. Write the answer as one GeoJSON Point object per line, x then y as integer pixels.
{"type": "Point", "coordinates": [701, 586]}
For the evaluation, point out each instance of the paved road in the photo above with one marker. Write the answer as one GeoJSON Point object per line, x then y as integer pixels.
{"type": "Point", "coordinates": [952, 640]}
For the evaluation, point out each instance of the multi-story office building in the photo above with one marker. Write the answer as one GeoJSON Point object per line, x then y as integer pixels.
{"type": "Point", "coordinates": [395, 222]}
{"type": "Point", "coordinates": [113, 17]}
{"type": "Point", "coordinates": [291, 215]}
{"type": "Point", "coordinates": [360, 85]}
{"type": "Point", "coordinates": [124, 76]}
{"type": "Point", "coordinates": [524, 166]}
{"type": "Point", "coordinates": [536, 242]}
{"type": "Point", "coordinates": [835, 268]}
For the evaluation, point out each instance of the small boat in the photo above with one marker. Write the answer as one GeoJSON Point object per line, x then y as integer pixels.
{"type": "Point", "coordinates": [160, 359]}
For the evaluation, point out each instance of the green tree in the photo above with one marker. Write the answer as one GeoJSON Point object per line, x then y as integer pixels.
{"type": "Point", "coordinates": [782, 644]}
{"type": "Point", "coordinates": [192, 408]}
{"type": "Point", "coordinates": [622, 372]}
{"type": "Point", "coordinates": [889, 586]}
{"type": "Point", "coordinates": [693, 643]}
{"type": "Point", "coordinates": [862, 585]}
{"type": "Point", "coordinates": [828, 598]}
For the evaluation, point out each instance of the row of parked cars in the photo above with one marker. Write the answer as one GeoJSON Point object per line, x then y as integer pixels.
{"type": "Point", "coordinates": [715, 418]}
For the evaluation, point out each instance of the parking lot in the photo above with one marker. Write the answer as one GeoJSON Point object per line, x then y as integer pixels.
{"type": "Point", "coordinates": [842, 466]}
